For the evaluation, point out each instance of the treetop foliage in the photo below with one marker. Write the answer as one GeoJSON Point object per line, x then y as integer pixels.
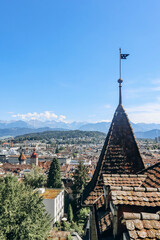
{"type": "Point", "coordinates": [22, 212]}
{"type": "Point", "coordinates": [54, 175]}
{"type": "Point", "coordinates": [47, 135]}
{"type": "Point", "coordinates": [70, 213]}
{"type": "Point", "coordinates": [80, 179]}
{"type": "Point", "coordinates": [36, 178]}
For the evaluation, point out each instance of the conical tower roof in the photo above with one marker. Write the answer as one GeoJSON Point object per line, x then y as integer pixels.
{"type": "Point", "coordinates": [34, 154]}
{"type": "Point", "coordinates": [22, 157]}
{"type": "Point", "coordinates": [120, 154]}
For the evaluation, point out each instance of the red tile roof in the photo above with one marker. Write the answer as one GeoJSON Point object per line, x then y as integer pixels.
{"type": "Point", "coordinates": [137, 196]}
{"type": "Point", "coordinates": [94, 195]}
{"type": "Point", "coordinates": [153, 176]}
{"type": "Point", "coordinates": [22, 157]}
{"type": "Point", "coordinates": [44, 164]}
{"type": "Point", "coordinates": [131, 180]}
{"type": "Point", "coordinates": [12, 167]}
{"type": "Point", "coordinates": [105, 222]}
{"type": "Point", "coordinates": [34, 154]}
{"type": "Point", "coordinates": [142, 226]}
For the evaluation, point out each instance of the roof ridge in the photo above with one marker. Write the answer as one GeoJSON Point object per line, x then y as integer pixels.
{"type": "Point", "coordinates": [134, 189]}
{"type": "Point", "coordinates": [141, 216]}
{"type": "Point", "coordinates": [150, 167]}
{"type": "Point", "coordinates": [125, 175]}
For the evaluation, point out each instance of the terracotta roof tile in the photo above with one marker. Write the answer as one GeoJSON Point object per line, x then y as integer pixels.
{"type": "Point", "coordinates": [130, 225]}
{"type": "Point", "coordinates": [147, 224]}
{"type": "Point", "coordinates": [141, 228]}
{"type": "Point", "coordinates": [138, 224]}
{"type": "Point", "coordinates": [142, 198]}
{"type": "Point", "coordinates": [22, 157]}
{"type": "Point", "coordinates": [105, 222]}
{"type": "Point", "coordinates": [12, 167]}
{"type": "Point", "coordinates": [150, 216]}
{"type": "Point", "coordinates": [34, 154]}
{"type": "Point", "coordinates": [128, 215]}
{"type": "Point", "coordinates": [153, 176]}
{"type": "Point", "coordinates": [125, 180]}
{"type": "Point", "coordinates": [100, 201]}
{"type": "Point", "coordinates": [158, 234]}
{"type": "Point", "coordinates": [94, 195]}
{"type": "Point", "coordinates": [133, 234]}
{"type": "Point", "coordinates": [151, 233]}
{"type": "Point", "coordinates": [142, 234]}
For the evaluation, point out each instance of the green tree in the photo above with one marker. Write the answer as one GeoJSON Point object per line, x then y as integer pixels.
{"type": "Point", "coordinates": [57, 150]}
{"type": "Point", "coordinates": [80, 178]}
{"type": "Point", "coordinates": [77, 228]}
{"type": "Point", "coordinates": [61, 148]}
{"type": "Point", "coordinates": [22, 212]}
{"type": "Point", "coordinates": [74, 155]}
{"type": "Point", "coordinates": [66, 226]}
{"type": "Point", "coordinates": [35, 178]}
{"type": "Point", "coordinates": [54, 175]}
{"type": "Point", "coordinates": [69, 237]}
{"type": "Point", "coordinates": [70, 213]}
{"type": "Point", "coordinates": [82, 215]}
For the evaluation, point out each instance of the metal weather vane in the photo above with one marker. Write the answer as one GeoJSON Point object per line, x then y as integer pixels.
{"type": "Point", "coordinates": [122, 56]}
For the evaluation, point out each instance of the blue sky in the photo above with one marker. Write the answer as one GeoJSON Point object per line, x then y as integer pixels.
{"type": "Point", "coordinates": [59, 59]}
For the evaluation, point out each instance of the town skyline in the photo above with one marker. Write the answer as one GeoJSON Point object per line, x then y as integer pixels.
{"type": "Point", "coordinates": [60, 60]}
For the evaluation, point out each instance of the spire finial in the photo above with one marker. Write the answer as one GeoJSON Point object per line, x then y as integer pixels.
{"type": "Point", "coordinates": [120, 91]}
{"type": "Point", "coordinates": [121, 56]}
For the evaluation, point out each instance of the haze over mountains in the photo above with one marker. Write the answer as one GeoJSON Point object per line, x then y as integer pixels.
{"type": "Point", "coordinates": [15, 128]}
{"type": "Point", "coordinates": [40, 124]}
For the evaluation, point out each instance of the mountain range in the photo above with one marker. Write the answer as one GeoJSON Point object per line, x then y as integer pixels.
{"type": "Point", "coordinates": [15, 128]}
{"type": "Point", "coordinates": [40, 124]}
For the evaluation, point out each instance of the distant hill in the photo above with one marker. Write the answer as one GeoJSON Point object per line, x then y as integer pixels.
{"type": "Point", "coordinates": [143, 127]}
{"type": "Point", "coordinates": [101, 127]}
{"type": "Point", "coordinates": [13, 124]}
{"type": "Point", "coordinates": [61, 135]}
{"type": "Point", "coordinates": [15, 128]}
{"type": "Point", "coordinates": [148, 134]}
{"type": "Point", "coordinates": [12, 132]}
{"type": "Point", "coordinates": [40, 124]}
{"type": "Point", "coordinates": [104, 127]}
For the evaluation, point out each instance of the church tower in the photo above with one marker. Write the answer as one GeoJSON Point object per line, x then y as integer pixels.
{"type": "Point", "coordinates": [22, 158]}
{"type": "Point", "coordinates": [34, 158]}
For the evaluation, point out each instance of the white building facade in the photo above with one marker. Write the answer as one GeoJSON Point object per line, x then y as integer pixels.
{"type": "Point", "coordinates": [54, 203]}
